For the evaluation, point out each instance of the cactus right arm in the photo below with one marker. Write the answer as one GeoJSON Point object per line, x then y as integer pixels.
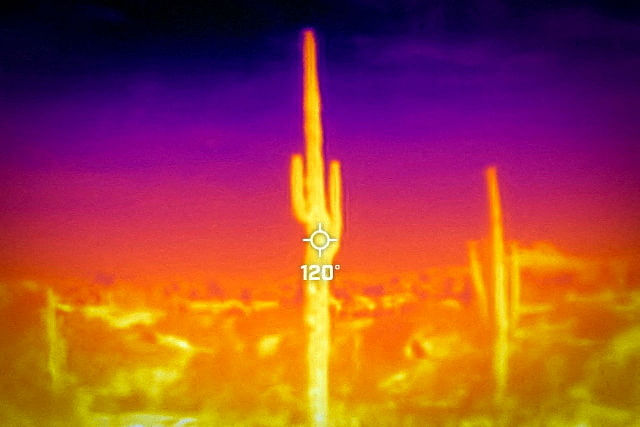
{"type": "Point", "coordinates": [335, 196]}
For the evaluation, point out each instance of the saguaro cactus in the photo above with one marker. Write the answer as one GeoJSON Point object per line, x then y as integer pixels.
{"type": "Point", "coordinates": [309, 203]}
{"type": "Point", "coordinates": [501, 351]}
{"type": "Point", "coordinates": [505, 306]}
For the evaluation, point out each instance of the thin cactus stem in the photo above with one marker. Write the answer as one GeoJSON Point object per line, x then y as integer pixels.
{"type": "Point", "coordinates": [57, 348]}
{"type": "Point", "coordinates": [309, 205]}
{"type": "Point", "coordinates": [477, 280]}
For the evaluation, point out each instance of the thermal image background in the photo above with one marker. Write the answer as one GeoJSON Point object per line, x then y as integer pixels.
{"type": "Point", "coordinates": [169, 171]}
{"type": "Point", "coordinates": [149, 258]}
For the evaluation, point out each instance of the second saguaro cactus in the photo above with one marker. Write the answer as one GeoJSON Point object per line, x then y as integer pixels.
{"type": "Point", "coordinates": [502, 312]}
{"type": "Point", "coordinates": [309, 204]}
{"type": "Point", "coordinates": [501, 351]}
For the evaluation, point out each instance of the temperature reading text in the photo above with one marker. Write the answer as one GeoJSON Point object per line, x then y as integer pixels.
{"type": "Point", "coordinates": [318, 272]}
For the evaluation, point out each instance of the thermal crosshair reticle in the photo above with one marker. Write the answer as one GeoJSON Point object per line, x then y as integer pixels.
{"type": "Point", "coordinates": [323, 236]}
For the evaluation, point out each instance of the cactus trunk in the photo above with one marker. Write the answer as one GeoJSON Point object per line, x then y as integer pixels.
{"type": "Point", "coordinates": [501, 350]}
{"type": "Point", "coordinates": [309, 204]}
{"type": "Point", "coordinates": [316, 313]}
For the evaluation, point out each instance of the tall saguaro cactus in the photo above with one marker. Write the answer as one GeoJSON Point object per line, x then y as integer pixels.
{"type": "Point", "coordinates": [309, 203]}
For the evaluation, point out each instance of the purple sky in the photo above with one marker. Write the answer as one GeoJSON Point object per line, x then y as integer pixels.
{"type": "Point", "coordinates": [414, 117]}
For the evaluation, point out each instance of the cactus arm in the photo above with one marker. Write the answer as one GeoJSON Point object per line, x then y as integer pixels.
{"type": "Point", "coordinates": [298, 201]}
{"type": "Point", "coordinates": [515, 284]}
{"type": "Point", "coordinates": [335, 196]}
